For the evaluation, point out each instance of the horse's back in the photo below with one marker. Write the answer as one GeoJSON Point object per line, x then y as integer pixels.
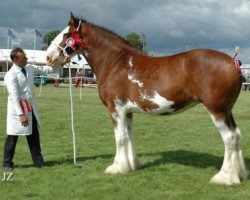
{"type": "Point", "coordinates": [203, 75]}
{"type": "Point", "coordinates": [213, 78]}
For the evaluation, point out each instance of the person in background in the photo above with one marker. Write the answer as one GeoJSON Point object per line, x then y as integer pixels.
{"type": "Point", "coordinates": [22, 114]}
{"type": "Point", "coordinates": [77, 79]}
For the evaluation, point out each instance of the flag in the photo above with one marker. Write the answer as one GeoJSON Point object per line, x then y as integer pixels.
{"type": "Point", "coordinates": [13, 37]}
{"type": "Point", "coordinates": [38, 33]}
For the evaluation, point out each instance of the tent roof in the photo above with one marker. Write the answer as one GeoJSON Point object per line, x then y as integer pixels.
{"type": "Point", "coordinates": [38, 57]}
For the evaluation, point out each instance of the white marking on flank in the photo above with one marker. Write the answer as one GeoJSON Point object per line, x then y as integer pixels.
{"type": "Point", "coordinates": [132, 78]}
{"type": "Point", "coordinates": [164, 105]}
{"type": "Point", "coordinates": [130, 61]}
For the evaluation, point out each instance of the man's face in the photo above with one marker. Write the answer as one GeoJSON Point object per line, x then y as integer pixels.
{"type": "Point", "coordinates": [21, 59]}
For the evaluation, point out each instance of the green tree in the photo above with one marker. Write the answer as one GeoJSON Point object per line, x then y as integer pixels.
{"type": "Point", "coordinates": [136, 40]}
{"type": "Point", "coordinates": [49, 37]}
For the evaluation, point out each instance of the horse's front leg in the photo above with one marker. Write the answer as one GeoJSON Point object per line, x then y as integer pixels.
{"type": "Point", "coordinates": [125, 158]}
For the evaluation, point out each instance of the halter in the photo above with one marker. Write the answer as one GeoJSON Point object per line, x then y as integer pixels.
{"type": "Point", "coordinates": [72, 41]}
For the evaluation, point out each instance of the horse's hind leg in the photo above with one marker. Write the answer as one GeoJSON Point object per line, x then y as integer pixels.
{"type": "Point", "coordinates": [233, 168]}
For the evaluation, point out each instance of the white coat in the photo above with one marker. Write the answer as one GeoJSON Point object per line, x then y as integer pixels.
{"type": "Point", "coordinates": [19, 88]}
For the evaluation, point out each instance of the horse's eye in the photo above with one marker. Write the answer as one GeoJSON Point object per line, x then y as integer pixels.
{"type": "Point", "coordinates": [69, 50]}
{"type": "Point", "coordinates": [66, 35]}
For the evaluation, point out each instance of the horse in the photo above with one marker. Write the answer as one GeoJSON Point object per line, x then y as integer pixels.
{"type": "Point", "coordinates": [129, 81]}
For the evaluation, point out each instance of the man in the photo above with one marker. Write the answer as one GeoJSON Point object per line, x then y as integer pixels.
{"type": "Point", "coordinates": [22, 115]}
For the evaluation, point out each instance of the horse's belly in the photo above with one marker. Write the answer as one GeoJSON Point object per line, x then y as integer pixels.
{"type": "Point", "coordinates": [157, 105]}
{"type": "Point", "coordinates": [162, 109]}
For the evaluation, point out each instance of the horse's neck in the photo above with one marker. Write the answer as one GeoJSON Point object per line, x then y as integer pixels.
{"type": "Point", "coordinates": [104, 48]}
{"type": "Point", "coordinates": [96, 60]}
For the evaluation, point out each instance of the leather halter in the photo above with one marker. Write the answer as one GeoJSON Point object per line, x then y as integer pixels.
{"type": "Point", "coordinates": [73, 40]}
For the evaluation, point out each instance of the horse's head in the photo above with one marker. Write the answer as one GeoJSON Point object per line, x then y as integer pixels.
{"type": "Point", "coordinates": [66, 43]}
{"type": "Point", "coordinates": [54, 53]}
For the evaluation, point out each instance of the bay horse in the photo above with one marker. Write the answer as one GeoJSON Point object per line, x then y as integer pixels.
{"type": "Point", "coordinates": [130, 81]}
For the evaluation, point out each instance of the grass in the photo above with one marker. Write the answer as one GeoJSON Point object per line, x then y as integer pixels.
{"type": "Point", "coordinates": [180, 153]}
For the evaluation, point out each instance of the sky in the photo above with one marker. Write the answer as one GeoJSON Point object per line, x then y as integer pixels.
{"type": "Point", "coordinates": [169, 26]}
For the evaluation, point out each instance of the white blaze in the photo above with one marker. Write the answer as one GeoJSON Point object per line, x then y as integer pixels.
{"type": "Point", "coordinates": [55, 43]}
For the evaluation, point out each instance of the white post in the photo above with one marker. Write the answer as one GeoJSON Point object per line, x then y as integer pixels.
{"type": "Point", "coordinates": [81, 86]}
{"type": "Point", "coordinates": [40, 89]}
{"type": "Point", "coordinates": [8, 40]}
{"type": "Point", "coordinates": [34, 47]}
{"type": "Point", "coordinates": [7, 63]}
{"type": "Point", "coordinates": [7, 67]}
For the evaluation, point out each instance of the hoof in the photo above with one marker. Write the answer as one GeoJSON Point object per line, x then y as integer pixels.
{"type": "Point", "coordinates": [116, 169]}
{"type": "Point", "coordinates": [223, 179]}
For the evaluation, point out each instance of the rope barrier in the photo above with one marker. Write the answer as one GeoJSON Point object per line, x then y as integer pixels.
{"type": "Point", "coordinates": [79, 82]}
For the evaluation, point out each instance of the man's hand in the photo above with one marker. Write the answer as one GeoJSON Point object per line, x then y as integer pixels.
{"type": "Point", "coordinates": [24, 120]}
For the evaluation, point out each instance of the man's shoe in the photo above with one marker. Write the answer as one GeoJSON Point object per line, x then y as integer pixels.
{"type": "Point", "coordinates": [8, 168]}
{"type": "Point", "coordinates": [42, 166]}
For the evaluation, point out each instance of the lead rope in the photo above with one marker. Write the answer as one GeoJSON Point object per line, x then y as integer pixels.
{"type": "Point", "coordinates": [72, 114]}
{"type": "Point", "coordinates": [71, 99]}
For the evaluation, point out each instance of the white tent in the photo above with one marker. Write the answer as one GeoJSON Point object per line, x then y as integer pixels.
{"type": "Point", "coordinates": [38, 57]}
{"type": "Point", "coordinates": [245, 69]}
{"type": "Point", "coordinates": [78, 62]}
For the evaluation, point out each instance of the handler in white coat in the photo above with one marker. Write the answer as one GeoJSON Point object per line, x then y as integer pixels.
{"type": "Point", "coordinates": [22, 115]}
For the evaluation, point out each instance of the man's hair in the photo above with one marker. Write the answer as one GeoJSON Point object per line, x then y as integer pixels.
{"type": "Point", "coordinates": [13, 53]}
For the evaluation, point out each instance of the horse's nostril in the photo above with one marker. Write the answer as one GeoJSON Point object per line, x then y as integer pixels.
{"type": "Point", "coordinates": [47, 58]}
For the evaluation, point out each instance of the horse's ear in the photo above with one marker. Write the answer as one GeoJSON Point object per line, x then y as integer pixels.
{"type": "Point", "coordinates": [72, 18]}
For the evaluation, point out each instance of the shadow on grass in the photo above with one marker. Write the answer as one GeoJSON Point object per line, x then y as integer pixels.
{"type": "Point", "coordinates": [188, 158]}
{"type": "Point", "coordinates": [78, 160]}
{"type": "Point", "coordinates": [68, 161]}
{"type": "Point", "coordinates": [183, 157]}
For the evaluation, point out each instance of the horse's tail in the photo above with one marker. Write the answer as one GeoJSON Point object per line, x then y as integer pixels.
{"type": "Point", "coordinates": [237, 64]}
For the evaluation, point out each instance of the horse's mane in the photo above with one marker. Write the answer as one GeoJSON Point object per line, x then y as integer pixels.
{"type": "Point", "coordinates": [105, 35]}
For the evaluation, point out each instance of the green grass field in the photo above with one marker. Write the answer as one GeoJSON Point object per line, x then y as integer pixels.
{"type": "Point", "coordinates": [180, 153]}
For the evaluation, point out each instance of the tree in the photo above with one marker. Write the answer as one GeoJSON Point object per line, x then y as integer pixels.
{"type": "Point", "coordinates": [49, 37]}
{"type": "Point", "coordinates": [136, 40]}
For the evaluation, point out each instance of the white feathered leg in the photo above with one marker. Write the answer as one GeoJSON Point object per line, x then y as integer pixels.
{"type": "Point", "coordinates": [125, 159]}
{"type": "Point", "coordinates": [233, 168]}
